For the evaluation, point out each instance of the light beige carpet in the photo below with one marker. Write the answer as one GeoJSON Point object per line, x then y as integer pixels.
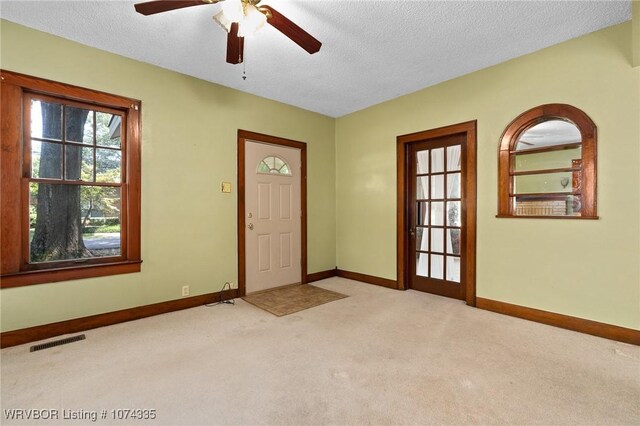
{"type": "Point", "coordinates": [290, 299]}
{"type": "Point", "coordinates": [379, 357]}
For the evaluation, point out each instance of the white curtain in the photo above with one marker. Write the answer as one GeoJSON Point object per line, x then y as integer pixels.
{"type": "Point", "coordinates": [453, 157]}
{"type": "Point", "coordinates": [437, 160]}
{"type": "Point", "coordinates": [424, 242]}
{"type": "Point", "coordinates": [437, 186]}
{"type": "Point", "coordinates": [449, 245]}
{"type": "Point", "coordinates": [453, 183]}
{"type": "Point", "coordinates": [421, 267]}
{"type": "Point", "coordinates": [453, 269]}
{"type": "Point", "coordinates": [423, 161]}
{"type": "Point", "coordinates": [437, 269]}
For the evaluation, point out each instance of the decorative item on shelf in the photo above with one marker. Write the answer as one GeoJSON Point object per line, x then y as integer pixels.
{"type": "Point", "coordinates": [569, 202]}
{"type": "Point", "coordinates": [576, 184]}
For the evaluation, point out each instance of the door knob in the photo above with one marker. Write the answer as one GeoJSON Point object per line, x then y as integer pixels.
{"type": "Point", "coordinates": [250, 226]}
{"type": "Point", "coordinates": [412, 232]}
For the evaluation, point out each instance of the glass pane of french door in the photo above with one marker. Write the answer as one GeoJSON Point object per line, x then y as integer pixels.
{"type": "Point", "coordinates": [438, 213]}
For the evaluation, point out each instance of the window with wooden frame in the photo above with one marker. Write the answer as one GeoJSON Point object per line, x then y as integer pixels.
{"type": "Point", "coordinates": [547, 165]}
{"type": "Point", "coordinates": [70, 182]}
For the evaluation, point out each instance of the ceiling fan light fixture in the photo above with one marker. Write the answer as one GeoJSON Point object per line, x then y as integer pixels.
{"type": "Point", "coordinates": [253, 21]}
{"type": "Point", "coordinates": [221, 19]}
{"type": "Point", "coordinates": [233, 10]}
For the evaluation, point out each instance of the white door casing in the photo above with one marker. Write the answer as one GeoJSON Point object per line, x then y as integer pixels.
{"type": "Point", "coordinates": [273, 243]}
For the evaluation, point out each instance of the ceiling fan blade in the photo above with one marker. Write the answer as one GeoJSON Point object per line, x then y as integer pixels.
{"type": "Point", "coordinates": [158, 6]}
{"type": "Point", "coordinates": [235, 45]}
{"type": "Point", "coordinates": [291, 30]}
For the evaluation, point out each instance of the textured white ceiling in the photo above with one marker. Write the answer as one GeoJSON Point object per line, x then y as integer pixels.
{"type": "Point", "coordinates": [372, 50]}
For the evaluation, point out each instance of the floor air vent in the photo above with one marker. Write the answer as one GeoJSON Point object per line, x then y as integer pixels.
{"type": "Point", "coordinates": [57, 343]}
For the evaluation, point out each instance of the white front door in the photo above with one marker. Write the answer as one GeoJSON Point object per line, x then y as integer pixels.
{"type": "Point", "coordinates": [272, 216]}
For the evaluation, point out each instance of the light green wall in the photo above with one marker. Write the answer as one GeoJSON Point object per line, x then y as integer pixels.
{"type": "Point", "coordinates": [636, 32]}
{"type": "Point", "coordinates": [588, 269]}
{"type": "Point", "coordinates": [188, 149]}
{"type": "Point", "coordinates": [584, 268]}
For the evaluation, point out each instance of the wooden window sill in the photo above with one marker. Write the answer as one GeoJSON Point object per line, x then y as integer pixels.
{"type": "Point", "coordinates": [502, 216]}
{"type": "Point", "coordinates": [24, 278]}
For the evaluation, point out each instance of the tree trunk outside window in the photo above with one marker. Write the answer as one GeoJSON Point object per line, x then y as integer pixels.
{"type": "Point", "coordinates": [58, 227]}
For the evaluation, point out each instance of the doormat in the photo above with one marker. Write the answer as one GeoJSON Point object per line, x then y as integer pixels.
{"type": "Point", "coordinates": [292, 298]}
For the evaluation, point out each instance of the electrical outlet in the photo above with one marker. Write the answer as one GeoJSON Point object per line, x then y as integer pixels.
{"type": "Point", "coordinates": [185, 290]}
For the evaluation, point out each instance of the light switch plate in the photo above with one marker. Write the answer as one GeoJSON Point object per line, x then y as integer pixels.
{"type": "Point", "coordinates": [226, 186]}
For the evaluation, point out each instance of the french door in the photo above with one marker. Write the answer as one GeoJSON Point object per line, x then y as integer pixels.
{"type": "Point", "coordinates": [438, 215]}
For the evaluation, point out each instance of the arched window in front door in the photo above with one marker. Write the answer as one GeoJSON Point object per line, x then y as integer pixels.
{"type": "Point", "coordinates": [274, 165]}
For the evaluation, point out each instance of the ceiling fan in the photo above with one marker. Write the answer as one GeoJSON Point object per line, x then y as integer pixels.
{"type": "Point", "coordinates": [239, 18]}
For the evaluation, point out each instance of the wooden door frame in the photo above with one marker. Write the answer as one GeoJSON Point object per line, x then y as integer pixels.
{"type": "Point", "coordinates": [469, 210]}
{"type": "Point", "coordinates": [245, 136]}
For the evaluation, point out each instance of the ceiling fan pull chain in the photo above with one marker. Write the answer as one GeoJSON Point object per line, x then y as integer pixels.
{"type": "Point", "coordinates": [244, 68]}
